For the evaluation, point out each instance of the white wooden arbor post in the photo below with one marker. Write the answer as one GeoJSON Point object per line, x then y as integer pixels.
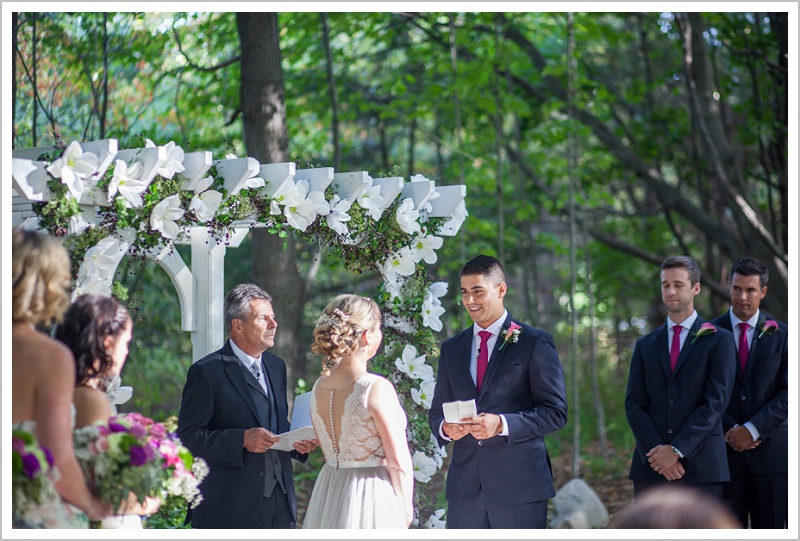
{"type": "Point", "coordinates": [200, 286]}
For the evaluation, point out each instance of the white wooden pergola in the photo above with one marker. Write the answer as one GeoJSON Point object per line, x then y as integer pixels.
{"type": "Point", "coordinates": [200, 286]}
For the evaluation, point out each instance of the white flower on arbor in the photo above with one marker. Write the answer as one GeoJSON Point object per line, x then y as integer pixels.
{"type": "Point", "coordinates": [407, 217]}
{"type": "Point", "coordinates": [298, 209]}
{"type": "Point", "coordinates": [412, 365]}
{"type": "Point", "coordinates": [452, 225]}
{"type": "Point", "coordinates": [393, 287]}
{"type": "Point", "coordinates": [439, 453]}
{"type": "Point", "coordinates": [164, 216]}
{"type": "Point", "coordinates": [400, 263]}
{"type": "Point", "coordinates": [435, 520]}
{"type": "Point", "coordinates": [338, 215]}
{"type": "Point", "coordinates": [198, 185]}
{"type": "Point", "coordinates": [424, 247]}
{"type": "Point", "coordinates": [126, 181]}
{"type": "Point", "coordinates": [99, 265]}
{"type": "Point", "coordinates": [73, 166]}
{"type": "Point", "coordinates": [432, 310]}
{"type": "Point", "coordinates": [372, 201]}
{"type": "Point", "coordinates": [321, 205]}
{"type": "Point", "coordinates": [437, 290]}
{"type": "Point", "coordinates": [419, 178]}
{"type": "Point", "coordinates": [205, 205]}
{"type": "Point", "coordinates": [174, 162]}
{"type": "Point", "coordinates": [424, 394]}
{"type": "Point", "coordinates": [424, 467]}
{"type": "Point", "coordinates": [402, 325]}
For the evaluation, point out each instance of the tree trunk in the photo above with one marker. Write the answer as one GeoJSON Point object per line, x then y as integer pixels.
{"type": "Point", "coordinates": [326, 40]}
{"type": "Point", "coordinates": [266, 139]}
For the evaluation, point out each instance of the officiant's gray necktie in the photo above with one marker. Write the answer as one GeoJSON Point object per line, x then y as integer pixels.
{"type": "Point", "coordinates": [254, 369]}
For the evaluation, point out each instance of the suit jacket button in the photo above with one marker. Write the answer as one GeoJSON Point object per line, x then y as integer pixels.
{"type": "Point", "coordinates": [261, 474]}
{"type": "Point", "coordinates": [671, 402]}
{"type": "Point", "coordinates": [669, 431]}
{"type": "Point", "coordinates": [744, 397]}
{"type": "Point", "coordinates": [480, 442]}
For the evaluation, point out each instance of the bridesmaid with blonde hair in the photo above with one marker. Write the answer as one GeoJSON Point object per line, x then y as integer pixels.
{"type": "Point", "coordinates": [367, 480]}
{"type": "Point", "coordinates": [43, 369]}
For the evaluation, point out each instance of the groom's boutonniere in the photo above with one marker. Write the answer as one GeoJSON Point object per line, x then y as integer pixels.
{"type": "Point", "coordinates": [510, 335]}
{"type": "Point", "coordinates": [769, 327]}
{"type": "Point", "coordinates": [705, 329]}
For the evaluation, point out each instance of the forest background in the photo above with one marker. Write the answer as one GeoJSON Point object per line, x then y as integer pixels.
{"type": "Point", "coordinates": [593, 145]}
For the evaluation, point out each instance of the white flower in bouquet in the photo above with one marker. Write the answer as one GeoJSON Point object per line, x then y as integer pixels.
{"type": "Point", "coordinates": [424, 394]}
{"type": "Point", "coordinates": [407, 217]}
{"type": "Point", "coordinates": [182, 473]}
{"type": "Point", "coordinates": [126, 181]}
{"type": "Point", "coordinates": [164, 216]}
{"type": "Point", "coordinates": [424, 467]}
{"type": "Point", "coordinates": [73, 166]}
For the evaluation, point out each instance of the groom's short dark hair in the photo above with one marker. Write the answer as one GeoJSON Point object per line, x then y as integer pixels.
{"type": "Point", "coordinates": [485, 265]}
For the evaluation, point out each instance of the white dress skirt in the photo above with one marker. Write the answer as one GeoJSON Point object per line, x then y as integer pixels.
{"type": "Point", "coordinates": [353, 489]}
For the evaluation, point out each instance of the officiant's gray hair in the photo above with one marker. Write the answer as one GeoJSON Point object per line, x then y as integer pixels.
{"type": "Point", "coordinates": [237, 302]}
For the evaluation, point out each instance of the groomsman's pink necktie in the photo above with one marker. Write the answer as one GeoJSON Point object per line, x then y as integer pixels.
{"type": "Point", "coordinates": [675, 350]}
{"type": "Point", "coordinates": [483, 358]}
{"type": "Point", "coordinates": [744, 348]}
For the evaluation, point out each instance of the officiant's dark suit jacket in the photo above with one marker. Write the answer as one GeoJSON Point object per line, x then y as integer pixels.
{"type": "Point", "coordinates": [525, 382]}
{"type": "Point", "coordinates": [683, 408]}
{"type": "Point", "coordinates": [760, 395]}
{"type": "Point", "coordinates": [221, 399]}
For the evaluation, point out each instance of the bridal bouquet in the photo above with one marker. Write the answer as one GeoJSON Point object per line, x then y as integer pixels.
{"type": "Point", "coordinates": [182, 472]}
{"type": "Point", "coordinates": [120, 457]}
{"type": "Point", "coordinates": [35, 501]}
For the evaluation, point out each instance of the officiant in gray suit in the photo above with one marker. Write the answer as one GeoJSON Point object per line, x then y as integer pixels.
{"type": "Point", "coordinates": [233, 406]}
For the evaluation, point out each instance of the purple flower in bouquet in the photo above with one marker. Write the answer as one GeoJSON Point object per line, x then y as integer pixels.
{"type": "Point", "coordinates": [30, 465]}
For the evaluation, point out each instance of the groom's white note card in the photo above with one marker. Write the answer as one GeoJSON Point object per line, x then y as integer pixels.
{"type": "Point", "coordinates": [460, 409]}
{"type": "Point", "coordinates": [301, 413]}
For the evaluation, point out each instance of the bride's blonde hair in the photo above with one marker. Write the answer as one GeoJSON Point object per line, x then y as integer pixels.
{"type": "Point", "coordinates": [340, 326]}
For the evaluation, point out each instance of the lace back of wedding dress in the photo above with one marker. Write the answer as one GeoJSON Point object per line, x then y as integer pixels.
{"type": "Point", "coordinates": [347, 433]}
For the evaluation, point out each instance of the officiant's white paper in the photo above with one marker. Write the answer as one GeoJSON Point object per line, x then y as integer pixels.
{"type": "Point", "coordinates": [288, 439]}
{"type": "Point", "coordinates": [460, 409]}
{"type": "Point", "coordinates": [301, 412]}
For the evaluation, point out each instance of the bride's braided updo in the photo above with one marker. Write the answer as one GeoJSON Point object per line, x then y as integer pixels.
{"type": "Point", "coordinates": [340, 326]}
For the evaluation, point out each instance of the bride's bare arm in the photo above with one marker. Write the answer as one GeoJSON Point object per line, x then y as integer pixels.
{"type": "Point", "coordinates": [390, 420]}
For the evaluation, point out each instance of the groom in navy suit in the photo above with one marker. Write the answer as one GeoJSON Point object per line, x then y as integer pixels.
{"type": "Point", "coordinates": [755, 424]}
{"type": "Point", "coordinates": [680, 382]}
{"type": "Point", "coordinates": [500, 475]}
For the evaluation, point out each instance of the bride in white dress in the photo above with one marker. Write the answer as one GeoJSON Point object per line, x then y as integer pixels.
{"type": "Point", "coordinates": [367, 480]}
{"type": "Point", "coordinates": [43, 372]}
{"type": "Point", "coordinates": [98, 329]}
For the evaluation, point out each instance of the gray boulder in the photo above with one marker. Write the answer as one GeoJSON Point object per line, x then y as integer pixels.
{"type": "Point", "coordinates": [576, 505]}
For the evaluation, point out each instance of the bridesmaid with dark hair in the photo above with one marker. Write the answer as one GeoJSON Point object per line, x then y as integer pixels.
{"type": "Point", "coordinates": [98, 330]}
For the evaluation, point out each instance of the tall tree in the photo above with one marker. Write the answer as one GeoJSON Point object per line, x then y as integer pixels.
{"type": "Point", "coordinates": [266, 139]}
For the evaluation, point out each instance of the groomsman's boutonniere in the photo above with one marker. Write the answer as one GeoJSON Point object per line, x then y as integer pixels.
{"type": "Point", "coordinates": [510, 335]}
{"type": "Point", "coordinates": [769, 327]}
{"type": "Point", "coordinates": [705, 329]}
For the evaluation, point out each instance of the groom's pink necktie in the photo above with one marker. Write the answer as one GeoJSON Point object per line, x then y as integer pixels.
{"type": "Point", "coordinates": [744, 348]}
{"type": "Point", "coordinates": [675, 350]}
{"type": "Point", "coordinates": [483, 358]}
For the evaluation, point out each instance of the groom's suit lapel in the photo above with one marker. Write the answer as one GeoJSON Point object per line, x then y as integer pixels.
{"type": "Point", "coordinates": [496, 357]}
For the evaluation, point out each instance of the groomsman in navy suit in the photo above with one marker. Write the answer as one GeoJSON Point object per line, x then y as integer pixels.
{"type": "Point", "coordinates": [755, 423]}
{"type": "Point", "coordinates": [500, 475]}
{"type": "Point", "coordinates": [680, 382]}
